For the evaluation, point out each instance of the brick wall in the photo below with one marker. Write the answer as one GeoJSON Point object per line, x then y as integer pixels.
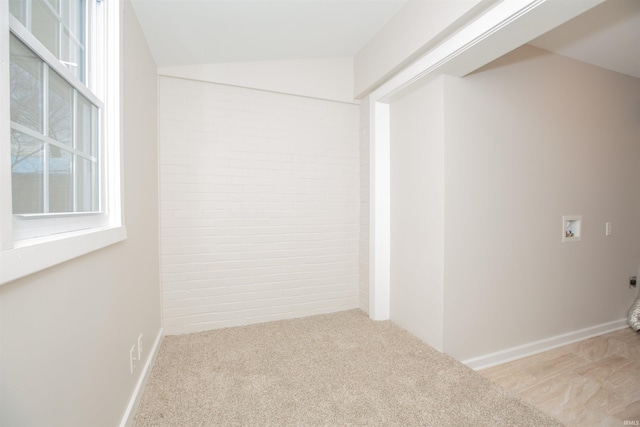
{"type": "Point", "coordinates": [259, 205]}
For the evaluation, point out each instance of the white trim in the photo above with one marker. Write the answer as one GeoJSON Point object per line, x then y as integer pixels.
{"type": "Point", "coordinates": [29, 227]}
{"type": "Point", "coordinates": [508, 25]}
{"type": "Point", "coordinates": [113, 131]}
{"type": "Point", "coordinates": [33, 255]}
{"type": "Point", "coordinates": [380, 211]}
{"type": "Point", "coordinates": [529, 349]}
{"type": "Point", "coordinates": [21, 252]}
{"type": "Point", "coordinates": [6, 208]}
{"type": "Point", "coordinates": [134, 402]}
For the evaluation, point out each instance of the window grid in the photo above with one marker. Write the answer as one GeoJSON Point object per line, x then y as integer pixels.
{"type": "Point", "coordinates": [32, 243]}
{"type": "Point", "coordinates": [45, 130]}
{"type": "Point", "coordinates": [90, 161]}
{"type": "Point", "coordinates": [63, 30]}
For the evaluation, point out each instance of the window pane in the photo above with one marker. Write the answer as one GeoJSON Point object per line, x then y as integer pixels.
{"type": "Point", "coordinates": [27, 167]}
{"type": "Point", "coordinates": [26, 86]}
{"type": "Point", "coordinates": [72, 55]}
{"type": "Point", "coordinates": [73, 17]}
{"type": "Point", "coordinates": [87, 186]}
{"type": "Point", "coordinates": [86, 137]}
{"type": "Point", "coordinates": [45, 26]}
{"type": "Point", "coordinates": [60, 108]}
{"type": "Point", "coordinates": [73, 40]}
{"type": "Point", "coordinates": [60, 180]}
{"type": "Point", "coordinates": [16, 8]}
{"type": "Point", "coordinates": [55, 4]}
{"type": "Point", "coordinates": [59, 26]}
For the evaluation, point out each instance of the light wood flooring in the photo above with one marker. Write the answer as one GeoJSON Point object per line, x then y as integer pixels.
{"type": "Point", "coordinates": [595, 382]}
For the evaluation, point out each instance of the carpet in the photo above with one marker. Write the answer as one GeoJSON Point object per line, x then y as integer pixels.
{"type": "Point", "coordinates": [327, 370]}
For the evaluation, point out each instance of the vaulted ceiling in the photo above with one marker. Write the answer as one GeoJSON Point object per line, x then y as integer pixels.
{"type": "Point", "coordinates": [607, 36]}
{"type": "Point", "coordinates": [190, 32]}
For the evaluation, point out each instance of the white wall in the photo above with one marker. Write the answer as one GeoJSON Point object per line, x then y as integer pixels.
{"type": "Point", "coordinates": [66, 332]}
{"type": "Point", "coordinates": [415, 29]}
{"type": "Point", "coordinates": [529, 138]}
{"type": "Point", "coordinates": [259, 205]}
{"type": "Point", "coordinates": [364, 206]}
{"type": "Point", "coordinates": [417, 212]}
{"type": "Point", "coordinates": [325, 78]}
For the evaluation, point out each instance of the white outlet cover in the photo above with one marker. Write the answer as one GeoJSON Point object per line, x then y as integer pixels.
{"type": "Point", "coordinates": [140, 347]}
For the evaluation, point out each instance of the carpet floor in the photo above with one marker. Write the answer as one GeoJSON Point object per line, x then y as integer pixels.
{"type": "Point", "coordinates": [337, 369]}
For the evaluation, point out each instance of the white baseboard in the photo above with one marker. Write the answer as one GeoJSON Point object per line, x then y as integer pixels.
{"type": "Point", "coordinates": [519, 352]}
{"type": "Point", "coordinates": [127, 419]}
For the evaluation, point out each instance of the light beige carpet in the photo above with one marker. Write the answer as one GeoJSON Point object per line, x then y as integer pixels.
{"type": "Point", "coordinates": [337, 369]}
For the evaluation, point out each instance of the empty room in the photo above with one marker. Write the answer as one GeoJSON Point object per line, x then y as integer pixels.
{"type": "Point", "coordinates": [319, 212]}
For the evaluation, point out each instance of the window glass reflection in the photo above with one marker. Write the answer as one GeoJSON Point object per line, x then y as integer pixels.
{"type": "Point", "coordinates": [60, 180]}
{"type": "Point", "coordinates": [27, 168]}
{"type": "Point", "coordinates": [26, 82]}
{"type": "Point", "coordinates": [60, 108]}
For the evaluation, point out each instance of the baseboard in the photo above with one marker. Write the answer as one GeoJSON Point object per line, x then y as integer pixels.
{"type": "Point", "coordinates": [519, 352]}
{"type": "Point", "coordinates": [127, 419]}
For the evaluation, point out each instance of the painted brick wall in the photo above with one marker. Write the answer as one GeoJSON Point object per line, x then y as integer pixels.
{"type": "Point", "coordinates": [364, 206]}
{"type": "Point", "coordinates": [259, 205]}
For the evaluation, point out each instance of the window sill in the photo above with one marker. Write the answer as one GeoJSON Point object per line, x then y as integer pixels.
{"type": "Point", "coordinates": [33, 255]}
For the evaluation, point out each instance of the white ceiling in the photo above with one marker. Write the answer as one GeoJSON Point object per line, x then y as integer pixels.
{"type": "Point", "coordinates": [189, 32]}
{"type": "Point", "coordinates": [607, 36]}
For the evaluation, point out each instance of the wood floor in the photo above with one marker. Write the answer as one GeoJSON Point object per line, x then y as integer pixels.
{"type": "Point", "coordinates": [595, 382]}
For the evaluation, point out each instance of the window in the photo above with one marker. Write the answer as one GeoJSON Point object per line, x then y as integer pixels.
{"type": "Point", "coordinates": [59, 124]}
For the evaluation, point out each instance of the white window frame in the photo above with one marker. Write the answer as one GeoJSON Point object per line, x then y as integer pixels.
{"type": "Point", "coordinates": [20, 256]}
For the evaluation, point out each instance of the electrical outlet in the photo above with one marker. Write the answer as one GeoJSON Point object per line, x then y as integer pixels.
{"type": "Point", "coordinates": [132, 358]}
{"type": "Point", "coordinates": [632, 282]}
{"type": "Point", "coordinates": [140, 346]}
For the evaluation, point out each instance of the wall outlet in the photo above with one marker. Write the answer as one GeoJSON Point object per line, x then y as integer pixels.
{"type": "Point", "coordinates": [632, 282]}
{"type": "Point", "coordinates": [140, 346]}
{"type": "Point", "coordinates": [133, 353]}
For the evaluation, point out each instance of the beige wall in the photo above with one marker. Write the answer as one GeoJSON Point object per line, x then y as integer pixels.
{"type": "Point", "coordinates": [529, 138]}
{"type": "Point", "coordinates": [66, 331]}
{"type": "Point", "coordinates": [417, 212]}
{"type": "Point", "coordinates": [363, 253]}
